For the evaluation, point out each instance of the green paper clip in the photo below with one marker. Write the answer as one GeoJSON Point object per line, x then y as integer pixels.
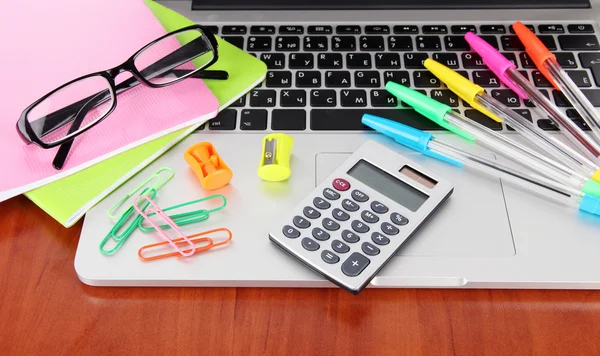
{"type": "Point", "coordinates": [159, 183]}
{"type": "Point", "coordinates": [187, 217]}
{"type": "Point", "coordinates": [120, 238]}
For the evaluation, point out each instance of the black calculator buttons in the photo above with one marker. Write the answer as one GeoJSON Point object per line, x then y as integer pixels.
{"type": "Point", "coordinates": [339, 247]}
{"type": "Point", "coordinates": [290, 232]}
{"type": "Point", "coordinates": [349, 205]}
{"type": "Point", "coordinates": [321, 203]}
{"type": "Point", "coordinates": [370, 249]}
{"type": "Point", "coordinates": [301, 222]}
{"type": "Point", "coordinates": [379, 207]}
{"type": "Point", "coordinates": [359, 196]}
{"type": "Point", "coordinates": [341, 184]}
{"type": "Point", "coordinates": [389, 229]}
{"type": "Point", "coordinates": [369, 217]}
{"type": "Point", "coordinates": [379, 239]}
{"type": "Point", "coordinates": [349, 236]}
{"type": "Point", "coordinates": [329, 257]}
{"type": "Point", "coordinates": [398, 219]}
{"type": "Point", "coordinates": [311, 212]}
{"type": "Point", "coordinates": [355, 264]}
{"type": "Point", "coordinates": [331, 194]}
{"type": "Point", "coordinates": [330, 225]}
{"type": "Point", "coordinates": [340, 215]}
{"type": "Point", "coordinates": [320, 234]}
{"type": "Point", "coordinates": [359, 226]}
{"type": "Point", "coordinates": [310, 244]}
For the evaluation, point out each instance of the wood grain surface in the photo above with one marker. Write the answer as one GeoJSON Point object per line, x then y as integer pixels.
{"type": "Point", "coordinates": [46, 310]}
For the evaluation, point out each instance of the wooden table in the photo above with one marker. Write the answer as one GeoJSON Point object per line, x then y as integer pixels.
{"type": "Point", "coordinates": [46, 310]}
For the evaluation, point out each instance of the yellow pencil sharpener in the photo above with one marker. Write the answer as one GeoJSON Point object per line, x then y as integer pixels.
{"type": "Point", "coordinates": [275, 160]}
{"type": "Point", "coordinates": [208, 166]}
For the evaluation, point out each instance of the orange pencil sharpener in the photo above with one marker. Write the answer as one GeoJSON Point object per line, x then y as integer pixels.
{"type": "Point", "coordinates": [208, 166]}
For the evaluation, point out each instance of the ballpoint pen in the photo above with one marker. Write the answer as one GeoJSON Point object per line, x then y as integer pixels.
{"type": "Point", "coordinates": [506, 71]}
{"type": "Point", "coordinates": [546, 63]}
{"type": "Point", "coordinates": [427, 144]}
{"type": "Point", "coordinates": [514, 151]}
{"type": "Point", "coordinates": [477, 98]}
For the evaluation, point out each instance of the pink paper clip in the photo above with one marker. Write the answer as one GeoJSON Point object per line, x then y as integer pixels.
{"type": "Point", "coordinates": [154, 209]}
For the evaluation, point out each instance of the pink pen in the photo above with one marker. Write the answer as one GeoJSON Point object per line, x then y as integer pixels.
{"type": "Point", "coordinates": [506, 71]}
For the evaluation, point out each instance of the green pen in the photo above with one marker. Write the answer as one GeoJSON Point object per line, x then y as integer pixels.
{"type": "Point", "coordinates": [522, 155]}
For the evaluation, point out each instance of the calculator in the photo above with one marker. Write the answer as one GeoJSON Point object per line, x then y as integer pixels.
{"type": "Point", "coordinates": [358, 218]}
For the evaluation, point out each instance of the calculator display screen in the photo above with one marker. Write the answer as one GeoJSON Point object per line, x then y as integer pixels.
{"type": "Point", "coordinates": [388, 185]}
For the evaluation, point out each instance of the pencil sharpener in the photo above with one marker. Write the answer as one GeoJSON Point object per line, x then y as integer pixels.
{"type": "Point", "coordinates": [275, 159]}
{"type": "Point", "coordinates": [208, 166]}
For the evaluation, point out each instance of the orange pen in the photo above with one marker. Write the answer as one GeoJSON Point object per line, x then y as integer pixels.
{"type": "Point", "coordinates": [547, 64]}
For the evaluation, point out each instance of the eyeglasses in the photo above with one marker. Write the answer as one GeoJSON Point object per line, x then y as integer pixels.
{"type": "Point", "coordinates": [75, 107]}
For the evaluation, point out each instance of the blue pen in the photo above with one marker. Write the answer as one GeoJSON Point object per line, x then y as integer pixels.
{"type": "Point", "coordinates": [427, 144]}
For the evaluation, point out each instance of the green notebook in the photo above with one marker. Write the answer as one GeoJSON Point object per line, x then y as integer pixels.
{"type": "Point", "coordinates": [68, 199]}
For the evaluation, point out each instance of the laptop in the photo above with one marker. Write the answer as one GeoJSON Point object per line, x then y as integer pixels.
{"type": "Point", "coordinates": [328, 63]}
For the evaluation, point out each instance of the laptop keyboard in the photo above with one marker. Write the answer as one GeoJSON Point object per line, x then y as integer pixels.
{"type": "Point", "coordinates": [324, 78]}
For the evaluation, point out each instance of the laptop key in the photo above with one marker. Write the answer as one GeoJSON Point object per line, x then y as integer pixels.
{"type": "Point", "coordinates": [213, 29]}
{"type": "Point", "coordinates": [485, 78]}
{"type": "Point", "coordinates": [435, 29]}
{"type": "Point", "coordinates": [301, 61]}
{"type": "Point", "coordinates": [448, 59]}
{"type": "Point", "coordinates": [492, 29]}
{"type": "Point", "coordinates": [523, 112]}
{"type": "Point", "coordinates": [511, 43]}
{"type": "Point", "coordinates": [593, 95]}
{"type": "Point", "coordinates": [456, 43]}
{"type": "Point", "coordinates": [580, 78]}
{"type": "Point", "coordinates": [578, 42]}
{"type": "Point", "coordinates": [350, 119]}
{"type": "Point", "coordinates": [279, 79]}
{"type": "Point", "coordinates": [367, 79]}
{"type": "Point", "coordinates": [308, 79]}
{"type": "Point", "coordinates": [337, 79]}
{"type": "Point", "coordinates": [259, 43]}
{"type": "Point", "coordinates": [273, 60]}
{"type": "Point", "coordinates": [506, 97]}
{"type": "Point", "coordinates": [288, 119]}
{"type": "Point", "coordinates": [445, 96]}
{"type": "Point", "coordinates": [511, 57]}
{"type": "Point", "coordinates": [347, 29]}
{"type": "Point", "coordinates": [358, 60]}
{"type": "Point", "coordinates": [526, 62]}
{"type": "Point", "coordinates": [234, 30]}
{"type": "Point", "coordinates": [319, 30]}
{"type": "Point", "coordinates": [225, 120]}
{"type": "Point", "coordinates": [462, 29]}
{"type": "Point", "coordinates": [292, 98]}
{"type": "Point", "coordinates": [425, 79]}
{"type": "Point", "coordinates": [253, 119]}
{"type": "Point", "coordinates": [287, 43]}
{"type": "Point", "coordinates": [369, 30]}
{"type": "Point", "coordinates": [547, 125]}
{"type": "Point", "coordinates": [567, 59]}
{"type": "Point", "coordinates": [483, 119]}
{"type": "Point", "coordinates": [323, 98]}
{"type": "Point", "coordinates": [406, 29]}
{"type": "Point", "coordinates": [560, 99]}
{"type": "Point", "coordinates": [387, 60]}
{"type": "Point", "coordinates": [291, 30]}
{"type": "Point", "coordinates": [263, 97]}
{"type": "Point", "coordinates": [239, 103]}
{"type": "Point", "coordinates": [581, 28]}
{"type": "Point", "coordinates": [400, 43]}
{"type": "Point", "coordinates": [428, 43]}
{"type": "Point", "coordinates": [256, 30]}
{"type": "Point", "coordinates": [329, 61]}
{"type": "Point", "coordinates": [371, 43]}
{"type": "Point", "coordinates": [343, 43]}
{"type": "Point", "coordinates": [591, 61]}
{"type": "Point", "coordinates": [540, 80]}
{"type": "Point", "coordinates": [382, 98]}
{"type": "Point", "coordinates": [530, 27]}
{"type": "Point", "coordinates": [551, 28]}
{"type": "Point", "coordinates": [237, 41]}
{"type": "Point", "coordinates": [315, 43]}
{"type": "Point", "coordinates": [548, 41]}
{"type": "Point", "coordinates": [415, 60]}
{"type": "Point", "coordinates": [353, 97]}
{"type": "Point", "coordinates": [400, 77]}
{"type": "Point", "coordinates": [472, 61]}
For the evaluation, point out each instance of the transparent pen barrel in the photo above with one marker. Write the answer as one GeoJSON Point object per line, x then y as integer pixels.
{"type": "Point", "coordinates": [575, 96]}
{"type": "Point", "coordinates": [545, 108]}
{"type": "Point", "coordinates": [554, 147]}
{"type": "Point", "coordinates": [515, 151]}
{"type": "Point", "coordinates": [532, 182]}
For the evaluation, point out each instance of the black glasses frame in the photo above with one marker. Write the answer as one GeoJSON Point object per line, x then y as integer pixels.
{"type": "Point", "coordinates": [28, 134]}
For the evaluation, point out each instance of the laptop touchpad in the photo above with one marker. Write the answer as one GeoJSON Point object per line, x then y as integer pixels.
{"type": "Point", "coordinates": [472, 222]}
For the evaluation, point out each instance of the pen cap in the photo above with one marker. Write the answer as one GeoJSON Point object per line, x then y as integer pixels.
{"type": "Point", "coordinates": [461, 86]}
{"type": "Point", "coordinates": [536, 49]}
{"type": "Point", "coordinates": [591, 187]}
{"type": "Point", "coordinates": [494, 60]}
{"type": "Point", "coordinates": [590, 204]}
{"type": "Point", "coordinates": [424, 105]}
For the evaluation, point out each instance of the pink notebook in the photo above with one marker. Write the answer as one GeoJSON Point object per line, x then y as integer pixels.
{"type": "Point", "coordinates": [47, 43]}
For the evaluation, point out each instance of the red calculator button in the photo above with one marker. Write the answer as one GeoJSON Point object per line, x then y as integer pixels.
{"type": "Point", "coordinates": [341, 184]}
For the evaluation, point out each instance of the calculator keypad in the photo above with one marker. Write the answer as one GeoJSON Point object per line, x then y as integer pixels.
{"type": "Point", "coordinates": [331, 194]}
{"type": "Point", "coordinates": [359, 226]}
{"type": "Point", "coordinates": [398, 219]}
{"type": "Point", "coordinates": [301, 222]}
{"type": "Point", "coordinates": [349, 236]}
{"type": "Point", "coordinates": [340, 215]}
{"type": "Point", "coordinates": [379, 238]}
{"type": "Point", "coordinates": [369, 217]}
{"type": "Point", "coordinates": [330, 225]}
{"type": "Point", "coordinates": [311, 213]}
{"type": "Point", "coordinates": [321, 203]}
{"type": "Point", "coordinates": [290, 232]}
{"type": "Point", "coordinates": [359, 196]}
{"type": "Point", "coordinates": [378, 207]}
{"type": "Point", "coordinates": [320, 234]}
{"type": "Point", "coordinates": [329, 257]}
{"type": "Point", "coordinates": [310, 244]}
{"type": "Point", "coordinates": [370, 249]}
{"type": "Point", "coordinates": [389, 229]}
{"type": "Point", "coordinates": [349, 205]}
{"type": "Point", "coordinates": [355, 264]}
{"type": "Point", "coordinates": [339, 246]}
